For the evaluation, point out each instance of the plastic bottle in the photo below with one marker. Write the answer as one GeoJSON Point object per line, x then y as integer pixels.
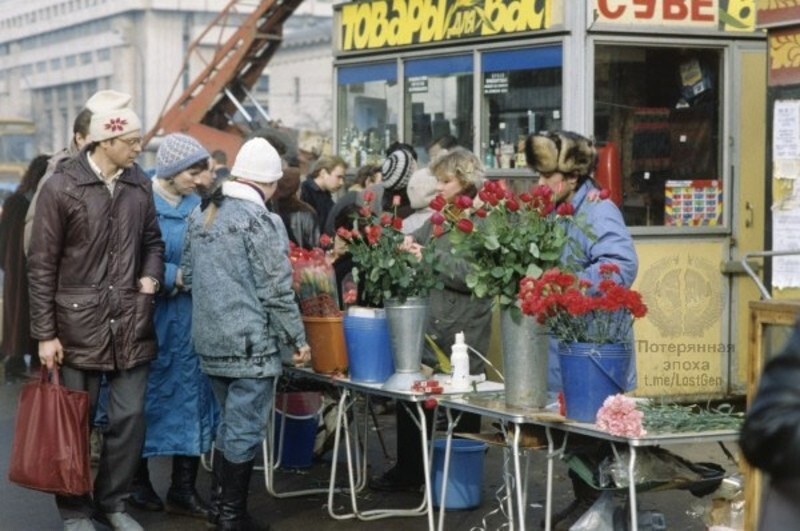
{"type": "Point", "coordinates": [459, 360]}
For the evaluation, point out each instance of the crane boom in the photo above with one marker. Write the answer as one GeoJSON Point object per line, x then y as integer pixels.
{"type": "Point", "coordinates": [206, 107]}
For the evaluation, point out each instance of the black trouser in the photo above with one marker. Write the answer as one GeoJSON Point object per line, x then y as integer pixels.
{"type": "Point", "coordinates": [409, 448]}
{"type": "Point", "coordinates": [122, 440]}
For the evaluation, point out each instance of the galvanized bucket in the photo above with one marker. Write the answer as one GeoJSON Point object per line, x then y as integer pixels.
{"type": "Point", "coordinates": [407, 322]}
{"type": "Point", "coordinates": [525, 358]}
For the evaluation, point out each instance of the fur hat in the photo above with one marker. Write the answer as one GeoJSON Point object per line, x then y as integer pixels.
{"type": "Point", "coordinates": [397, 170]}
{"type": "Point", "coordinates": [561, 151]}
{"type": "Point", "coordinates": [258, 161]}
{"type": "Point", "coordinates": [111, 116]}
{"type": "Point", "coordinates": [422, 188]}
{"type": "Point", "coordinates": [289, 184]}
{"type": "Point", "coordinates": [176, 153]}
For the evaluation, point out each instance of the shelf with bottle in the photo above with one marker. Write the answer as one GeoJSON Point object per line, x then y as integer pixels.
{"type": "Point", "coordinates": [499, 154]}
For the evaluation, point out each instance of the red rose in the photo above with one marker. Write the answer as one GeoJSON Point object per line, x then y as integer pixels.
{"type": "Point", "coordinates": [397, 223]}
{"type": "Point", "coordinates": [438, 230]}
{"type": "Point", "coordinates": [465, 225]}
{"type": "Point", "coordinates": [325, 240]}
{"type": "Point", "coordinates": [463, 202]}
{"type": "Point", "coordinates": [512, 205]}
{"type": "Point", "coordinates": [605, 193]}
{"type": "Point", "coordinates": [369, 195]}
{"type": "Point", "coordinates": [565, 209]}
{"type": "Point", "coordinates": [373, 234]}
{"type": "Point", "coordinates": [386, 219]}
{"type": "Point", "coordinates": [438, 203]}
{"type": "Point", "coordinates": [437, 218]}
{"type": "Point", "coordinates": [481, 213]}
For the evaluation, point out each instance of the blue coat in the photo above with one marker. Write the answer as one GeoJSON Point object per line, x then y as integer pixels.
{"type": "Point", "coordinates": [180, 408]}
{"type": "Point", "coordinates": [610, 242]}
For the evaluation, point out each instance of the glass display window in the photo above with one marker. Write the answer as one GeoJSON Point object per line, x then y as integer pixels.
{"type": "Point", "coordinates": [438, 96]}
{"type": "Point", "coordinates": [368, 111]}
{"type": "Point", "coordinates": [657, 110]}
{"type": "Point", "coordinates": [521, 94]}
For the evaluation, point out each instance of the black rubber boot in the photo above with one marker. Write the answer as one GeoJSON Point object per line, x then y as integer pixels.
{"type": "Point", "coordinates": [182, 497]}
{"type": "Point", "coordinates": [215, 495]}
{"type": "Point", "coordinates": [233, 503]}
{"type": "Point", "coordinates": [143, 495]}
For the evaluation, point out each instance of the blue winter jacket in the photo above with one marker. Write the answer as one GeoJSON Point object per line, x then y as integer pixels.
{"type": "Point", "coordinates": [241, 280]}
{"type": "Point", "coordinates": [180, 408]}
{"type": "Point", "coordinates": [609, 242]}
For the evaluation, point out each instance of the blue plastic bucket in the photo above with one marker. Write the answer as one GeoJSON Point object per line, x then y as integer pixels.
{"type": "Point", "coordinates": [590, 373]}
{"type": "Point", "coordinates": [296, 422]}
{"type": "Point", "coordinates": [368, 348]}
{"type": "Point", "coordinates": [464, 476]}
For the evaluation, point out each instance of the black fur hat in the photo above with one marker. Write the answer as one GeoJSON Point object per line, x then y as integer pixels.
{"type": "Point", "coordinates": [561, 151]}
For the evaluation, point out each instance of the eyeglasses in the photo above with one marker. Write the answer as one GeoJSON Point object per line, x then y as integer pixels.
{"type": "Point", "coordinates": [132, 142]}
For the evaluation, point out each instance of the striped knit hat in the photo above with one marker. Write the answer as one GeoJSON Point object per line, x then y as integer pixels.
{"type": "Point", "coordinates": [397, 170]}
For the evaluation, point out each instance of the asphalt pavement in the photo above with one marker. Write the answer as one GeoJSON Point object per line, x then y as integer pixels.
{"type": "Point", "coordinates": [26, 510]}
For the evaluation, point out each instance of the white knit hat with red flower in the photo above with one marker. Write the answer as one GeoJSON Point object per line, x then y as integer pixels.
{"type": "Point", "coordinates": [111, 116]}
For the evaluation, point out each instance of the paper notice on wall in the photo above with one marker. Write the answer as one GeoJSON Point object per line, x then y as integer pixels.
{"type": "Point", "coordinates": [786, 237]}
{"type": "Point", "coordinates": [786, 139]}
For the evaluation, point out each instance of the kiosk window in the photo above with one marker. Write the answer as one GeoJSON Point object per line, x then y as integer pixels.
{"type": "Point", "coordinates": [438, 101]}
{"type": "Point", "coordinates": [368, 102]}
{"type": "Point", "coordinates": [658, 112]}
{"type": "Point", "coordinates": [521, 95]}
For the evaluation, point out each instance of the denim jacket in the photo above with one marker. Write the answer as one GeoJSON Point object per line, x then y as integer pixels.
{"type": "Point", "coordinates": [241, 281]}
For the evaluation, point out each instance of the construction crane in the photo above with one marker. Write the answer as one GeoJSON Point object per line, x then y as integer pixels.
{"type": "Point", "coordinates": [206, 108]}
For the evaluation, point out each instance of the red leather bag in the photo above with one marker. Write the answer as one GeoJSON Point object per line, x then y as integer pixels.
{"type": "Point", "coordinates": [50, 452]}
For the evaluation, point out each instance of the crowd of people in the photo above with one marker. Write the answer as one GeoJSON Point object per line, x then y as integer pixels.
{"type": "Point", "coordinates": [171, 293]}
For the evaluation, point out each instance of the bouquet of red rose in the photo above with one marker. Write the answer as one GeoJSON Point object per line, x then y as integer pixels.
{"type": "Point", "coordinates": [314, 282]}
{"type": "Point", "coordinates": [575, 310]}
{"type": "Point", "coordinates": [385, 266]}
{"type": "Point", "coordinates": [504, 236]}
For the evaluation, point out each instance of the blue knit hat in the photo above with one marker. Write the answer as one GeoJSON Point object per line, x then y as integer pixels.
{"type": "Point", "coordinates": [176, 153]}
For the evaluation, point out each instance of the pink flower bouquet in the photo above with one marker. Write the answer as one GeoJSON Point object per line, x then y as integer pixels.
{"type": "Point", "coordinates": [619, 416]}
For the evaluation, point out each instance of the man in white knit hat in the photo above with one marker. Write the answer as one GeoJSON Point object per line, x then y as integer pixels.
{"type": "Point", "coordinates": [80, 137]}
{"type": "Point", "coordinates": [95, 264]}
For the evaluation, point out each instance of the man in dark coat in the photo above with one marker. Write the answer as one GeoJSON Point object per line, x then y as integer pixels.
{"type": "Point", "coordinates": [95, 265]}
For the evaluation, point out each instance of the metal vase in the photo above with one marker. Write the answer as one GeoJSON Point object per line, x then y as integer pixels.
{"type": "Point", "coordinates": [407, 321]}
{"type": "Point", "coordinates": [525, 358]}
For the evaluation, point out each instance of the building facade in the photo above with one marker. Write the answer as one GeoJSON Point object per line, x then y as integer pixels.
{"type": "Point", "coordinates": [55, 53]}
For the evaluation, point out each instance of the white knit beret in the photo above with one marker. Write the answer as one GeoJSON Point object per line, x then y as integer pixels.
{"type": "Point", "coordinates": [111, 116]}
{"type": "Point", "coordinates": [258, 161]}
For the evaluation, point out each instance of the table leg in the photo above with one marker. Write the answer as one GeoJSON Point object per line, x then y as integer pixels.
{"type": "Point", "coordinates": [632, 488]}
{"type": "Point", "coordinates": [548, 500]}
{"type": "Point", "coordinates": [446, 469]}
{"type": "Point", "coordinates": [426, 464]}
{"type": "Point", "coordinates": [341, 413]}
{"type": "Point", "coordinates": [518, 479]}
{"type": "Point", "coordinates": [272, 457]}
